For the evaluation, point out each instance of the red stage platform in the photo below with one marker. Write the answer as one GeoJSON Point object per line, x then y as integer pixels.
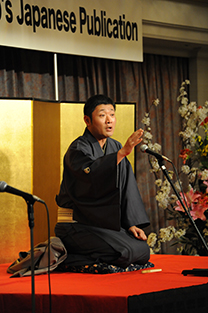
{"type": "Point", "coordinates": [164, 291]}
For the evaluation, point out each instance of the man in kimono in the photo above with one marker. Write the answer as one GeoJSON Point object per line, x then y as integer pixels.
{"type": "Point", "coordinates": [100, 211]}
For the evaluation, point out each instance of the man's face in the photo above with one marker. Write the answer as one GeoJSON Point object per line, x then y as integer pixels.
{"type": "Point", "coordinates": [103, 121]}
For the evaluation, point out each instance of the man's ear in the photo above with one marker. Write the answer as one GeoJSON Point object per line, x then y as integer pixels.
{"type": "Point", "coordinates": [87, 120]}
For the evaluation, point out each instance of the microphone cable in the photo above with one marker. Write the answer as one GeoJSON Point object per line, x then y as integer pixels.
{"type": "Point", "coordinates": [49, 255]}
{"type": "Point", "coordinates": [182, 192]}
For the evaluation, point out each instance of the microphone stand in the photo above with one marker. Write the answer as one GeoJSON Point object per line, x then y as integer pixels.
{"type": "Point", "coordinates": [31, 225]}
{"type": "Point", "coordinates": [196, 272]}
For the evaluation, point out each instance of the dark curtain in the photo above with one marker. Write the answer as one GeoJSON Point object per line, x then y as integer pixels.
{"type": "Point", "coordinates": [29, 74]}
{"type": "Point", "coordinates": [26, 74]}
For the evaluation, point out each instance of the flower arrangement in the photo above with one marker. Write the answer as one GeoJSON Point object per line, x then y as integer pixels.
{"type": "Point", "coordinates": [194, 172]}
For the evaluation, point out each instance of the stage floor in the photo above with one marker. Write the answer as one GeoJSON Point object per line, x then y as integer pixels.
{"type": "Point", "coordinates": [108, 293]}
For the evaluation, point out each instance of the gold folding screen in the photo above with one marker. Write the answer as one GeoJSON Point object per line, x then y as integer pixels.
{"type": "Point", "coordinates": [34, 138]}
{"type": "Point", "coordinates": [15, 170]}
{"type": "Point", "coordinates": [46, 164]}
{"type": "Point", "coordinates": [29, 161]}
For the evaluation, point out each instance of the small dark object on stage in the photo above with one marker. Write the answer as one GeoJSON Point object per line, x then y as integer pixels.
{"type": "Point", "coordinates": [196, 272]}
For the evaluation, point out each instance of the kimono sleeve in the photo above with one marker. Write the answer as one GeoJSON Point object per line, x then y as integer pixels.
{"type": "Point", "coordinates": [92, 187]}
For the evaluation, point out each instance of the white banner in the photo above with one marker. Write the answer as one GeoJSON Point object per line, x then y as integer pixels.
{"type": "Point", "coordinates": [103, 28]}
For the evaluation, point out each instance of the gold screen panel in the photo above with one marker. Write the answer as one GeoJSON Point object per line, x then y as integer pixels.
{"type": "Point", "coordinates": [125, 125]}
{"type": "Point", "coordinates": [73, 125]}
{"type": "Point", "coordinates": [15, 170]}
{"type": "Point", "coordinates": [46, 165]}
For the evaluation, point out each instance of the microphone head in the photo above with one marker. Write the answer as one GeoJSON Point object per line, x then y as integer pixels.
{"type": "Point", "coordinates": [143, 148]}
{"type": "Point", "coordinates": [3, 186]}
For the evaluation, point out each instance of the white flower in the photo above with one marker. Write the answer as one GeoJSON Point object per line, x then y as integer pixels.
{"type": "Point", "coordinates": [163, 199]}
{"type": "Point", "coordinates": [156, 102]}
{"type": "Point", "coordinates": [158, 182]}
{"type": "Point", "coordinates": [156, 147]}
{"type": "Point", "coordinates": [184, 100]}
{"type": "Point", "coordinates": [192, 107]}
{"type": "Point", "coordinates": [177, 185]}
{"type": "Point", "coordinates": [182, 89]}
{"type": "Point", "coordinates": [192, 174]}
{"type": "Point", "coordinates": [157, 247]}
{"type": "Point", "coordinates": [170, 174]}
{"type": "Point", "coordinates": [192, 123]}
{"type": "Point", "coordinates": [202, 114]}
{"type": "Point", "coordinates": [192, 142]}
{"type": "Point", "coordinates": [185, 169]}
{"type": "Point", "coordinates": [155, 165]}
{"type": "Point", "coordinates": [187, 134]}
{"type": "Point", "coordinates": [167, 234]}
{"type": "Point", "coordinates": [204, 175]}
{"type": "Point", "coordinates": [183, 110]}
{"type": "Point", "coordinates": [146, 121]}
{"type": "Point", "coordinates": [147, 135]}
{"type": "Point", "coordinates": [152, 239]}
{"type": "Point", "coordinates": [179, 233]}
{"type": "Point", "coordinates": [150, 145]}
{"type": "Point", "coordinates": [183, 92]}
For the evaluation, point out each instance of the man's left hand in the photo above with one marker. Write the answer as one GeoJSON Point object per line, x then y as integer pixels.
{"type": "Point", "coordinates": [138, 233]}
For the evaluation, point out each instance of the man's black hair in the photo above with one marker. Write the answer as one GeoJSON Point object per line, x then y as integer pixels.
{"type": "Point", "coordinates": [94, 101]}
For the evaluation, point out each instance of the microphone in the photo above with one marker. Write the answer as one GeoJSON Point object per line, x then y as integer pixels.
{"type": "Point", "coordinates": [144, 148]}
{"type": "Point", "coordinates": [28, 197]}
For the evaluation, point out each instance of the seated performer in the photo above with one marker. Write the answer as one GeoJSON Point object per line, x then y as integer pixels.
{"type": "Point", "coordinates": [101, 214]}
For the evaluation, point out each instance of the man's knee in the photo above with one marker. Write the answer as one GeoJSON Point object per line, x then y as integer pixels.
{"type": "Point", "coordinates": [145, 255]}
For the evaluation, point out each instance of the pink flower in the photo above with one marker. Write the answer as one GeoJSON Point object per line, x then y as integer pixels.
{"type": "Point", "coordinates": [199, 208]}
{"type": "Point", "coordinates": [196, 201]}
{"type": "Point", "coordinates": [190, 198]}
{"type": "Point", "coordinates": [206, 183]}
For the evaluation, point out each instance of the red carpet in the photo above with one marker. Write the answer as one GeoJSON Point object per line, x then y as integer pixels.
{"type": "Point", "coordinates": [75, 292]}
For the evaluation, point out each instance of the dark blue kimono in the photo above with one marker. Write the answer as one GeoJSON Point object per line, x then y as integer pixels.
{"type": "Point", "coordinates": [106, 203]}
